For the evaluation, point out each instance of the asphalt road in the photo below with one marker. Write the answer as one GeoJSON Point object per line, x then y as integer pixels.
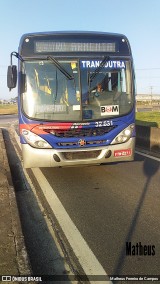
{"type": "Point", "coordinates": [112, 205]}
{"type": "Point", "coordinates": [8, 119]}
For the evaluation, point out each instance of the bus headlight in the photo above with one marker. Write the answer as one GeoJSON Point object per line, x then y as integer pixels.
{"type": "Point", "coordinates": [35, 140]}
{"type": "Point", "coordinates": [124, 135]}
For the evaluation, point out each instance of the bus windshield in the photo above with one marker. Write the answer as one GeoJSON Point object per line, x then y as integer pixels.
{"type": "Point", "coordinates": [76, 90]}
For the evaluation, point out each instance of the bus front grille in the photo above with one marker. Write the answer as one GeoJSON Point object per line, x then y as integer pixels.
{"type": "Point", "coordinates": [82, 132]}
{"type": "Point", "coordinates": [81, 155]}
{"type": "Point", "coordinates": [96, 142]}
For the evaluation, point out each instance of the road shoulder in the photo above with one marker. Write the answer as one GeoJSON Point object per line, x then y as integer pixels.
{"type": "Point", "coordinates": [13, 255]}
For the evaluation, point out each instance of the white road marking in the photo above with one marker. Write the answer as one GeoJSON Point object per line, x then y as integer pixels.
{"type": "Point", "coordinates": [87, 259]}
{"type": "Point", "coordinates": [84, 254]}
{"type": "Point", "coordinates": [148, 156]}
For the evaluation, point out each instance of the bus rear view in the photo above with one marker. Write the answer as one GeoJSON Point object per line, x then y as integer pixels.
{"type": "Point", "coordinates": [76, 98]}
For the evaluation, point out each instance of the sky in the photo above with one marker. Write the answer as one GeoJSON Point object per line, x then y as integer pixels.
{"type": "Point", "coordinates": [139, 20]}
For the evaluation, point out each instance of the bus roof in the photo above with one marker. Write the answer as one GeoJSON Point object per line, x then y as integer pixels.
{"type": "Point", "coordinates": [121, 42]}
{"type": "Point", "coordinates": [73, 33]}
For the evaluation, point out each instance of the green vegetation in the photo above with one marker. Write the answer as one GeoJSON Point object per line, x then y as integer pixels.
{"type": "Point", "coordinates": [150, 118]}
{"type": "Point", "coordinates": [8, 109]}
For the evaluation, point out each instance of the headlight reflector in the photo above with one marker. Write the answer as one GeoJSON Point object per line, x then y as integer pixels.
{"type": "Point", "coordinates": [34, 140]}
{"type": "Point", "coordinates": [124, 135]}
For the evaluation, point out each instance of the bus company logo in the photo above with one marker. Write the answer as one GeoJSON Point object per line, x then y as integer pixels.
{"type": "Point", "coordinates": [110, 110]}
{"type": "Point", "coordinates": [81, 142]}
{"type": "Point", "coordinates": [119, 64]}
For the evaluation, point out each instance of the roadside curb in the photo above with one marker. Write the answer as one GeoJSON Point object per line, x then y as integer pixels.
{"type": "Point", "coordinates": [45, 250]}
{"type": "Point", "coordinates": [148, 138]}
{"type": "Point", "coordinates": [13, 255]}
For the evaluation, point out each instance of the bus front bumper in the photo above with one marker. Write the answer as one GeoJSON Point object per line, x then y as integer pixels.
{"type": "Point", "coordinates": [33, 157]}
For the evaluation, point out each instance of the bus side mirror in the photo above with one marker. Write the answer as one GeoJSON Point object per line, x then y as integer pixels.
{"type": "Point", "coordinates": [12, 76]}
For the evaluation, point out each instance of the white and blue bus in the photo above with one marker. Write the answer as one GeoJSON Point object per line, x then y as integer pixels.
{"type": "Point", "coordinates": [76, 97]}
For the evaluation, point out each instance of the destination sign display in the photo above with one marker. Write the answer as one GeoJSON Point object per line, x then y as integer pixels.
{"type": "Point", "coordinates": [60, 46]}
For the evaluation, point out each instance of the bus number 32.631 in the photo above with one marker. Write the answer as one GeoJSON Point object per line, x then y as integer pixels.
{"type": "Point", "coordinates": [103, 123]}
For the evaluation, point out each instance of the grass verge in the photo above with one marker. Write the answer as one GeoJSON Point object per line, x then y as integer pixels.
{"type": "Point", "coordinates": [151, 118]}
{"type": "Point", "coordinates": [8, 109]}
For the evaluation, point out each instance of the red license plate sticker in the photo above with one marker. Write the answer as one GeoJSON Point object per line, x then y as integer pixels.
{"type": "Point", "coordinates": [122, 153]}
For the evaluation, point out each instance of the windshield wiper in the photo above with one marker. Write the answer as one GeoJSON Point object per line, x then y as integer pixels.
{"type": "Point", "coordinates": [98, 69]}
{"type": "Point", "coordinates": [61, 68]}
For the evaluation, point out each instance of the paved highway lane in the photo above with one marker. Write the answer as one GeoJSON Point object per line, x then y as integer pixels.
{"type": "Point", "coordinates": [8, 119]}
{"type": "Point", "coordinates": [112, 205]}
